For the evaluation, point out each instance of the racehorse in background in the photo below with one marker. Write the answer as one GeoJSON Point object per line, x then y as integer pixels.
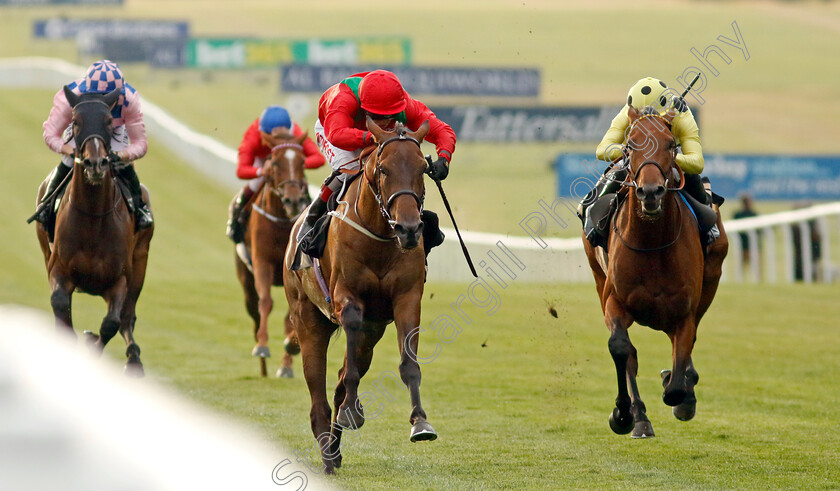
{"type": "Point", "coordinates": [372, 272]}
{"type": "Point", "coordinates": [96, 249]}
{"type": "Point", "coordinates": [657, 272]}
{"type": "Point", "coordinates": [283, 197]}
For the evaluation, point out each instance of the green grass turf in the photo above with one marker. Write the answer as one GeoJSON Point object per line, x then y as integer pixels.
{"type": "Point", "coordinates": [520, 398]}
{"type": "Point", "coordinates": [530, 409]}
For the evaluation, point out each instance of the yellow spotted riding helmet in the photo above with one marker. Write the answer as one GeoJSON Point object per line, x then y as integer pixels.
{"type": "Point", "coordinates": [650, 91]}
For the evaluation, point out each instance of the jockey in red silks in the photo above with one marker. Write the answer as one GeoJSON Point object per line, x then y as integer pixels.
{"type": "Point", "coordinates": [253, 151]}
{"type": "Point", "coordinates": [341, 133]}
{"type": "Point", "coordinates": [128, 142]}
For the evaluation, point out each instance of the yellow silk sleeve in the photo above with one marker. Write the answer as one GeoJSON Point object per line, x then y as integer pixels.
{"type": "Point", "coordinates": [687, 135]}
{"type": "Point", "coordinates": [610, 147]}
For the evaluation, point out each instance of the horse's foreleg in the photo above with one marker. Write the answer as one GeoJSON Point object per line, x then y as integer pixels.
{"type": "Point", "coordinates": [350, 414]}
{"type": "Point", "coordinates": [682, 341]}
{"type": "Point", "coordinates": [407, 320]}
{"type": "Point", "coordinates": [641, 424]}
{"type": "Point", "coordinates": [133, 365]}
{"type": "Point", "coordinates": [115, 297]}
{"type": "Point", "coordinates": [263, 277]}
{"type": "Point", "coordinates": [621, 350]}
{"type": "Point", "coordinates": [291, 347]}
{"type": "Point", "coordinates": [61, 303]}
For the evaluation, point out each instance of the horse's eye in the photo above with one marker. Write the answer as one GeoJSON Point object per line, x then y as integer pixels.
{"type": "Point", "coordinates": [385, 172]}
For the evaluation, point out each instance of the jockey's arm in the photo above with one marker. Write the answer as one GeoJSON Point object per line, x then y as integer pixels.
{"type": "Point", "coordinates": [440, 133]}
{"type": "Point", "coordinates": [610, 147]}
{"type": "Point", "coordinates": [60, 116]}
{"type": "Point", "coordinates": [314, 158]}
{"type": "Point", "coordinates": [133, 115]}
{"type": "Point", "coordinates": [687, 135]}
{"type": "Point", "coordinates": [245, 168]}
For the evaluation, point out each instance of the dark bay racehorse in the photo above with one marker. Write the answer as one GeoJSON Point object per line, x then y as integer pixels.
{"type": "Point", "coordinates": [283, 197]}
{"type": "Point", "coordinates": [373, 271]}
{"type": "Point", "coordinates": [96, 250]}
{"type": "Point", "coordinates": [658, 274]}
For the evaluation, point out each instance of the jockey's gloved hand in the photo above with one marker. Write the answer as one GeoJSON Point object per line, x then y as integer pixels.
{"type": "Point", "coordinates": [439, 169]}
{"type": "Point", "coordinates": [114, 158]}
{"type": "Point", "coordinates": [679, 104]}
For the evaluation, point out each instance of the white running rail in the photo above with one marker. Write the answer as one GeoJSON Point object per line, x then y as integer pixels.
{"type": "Point", "coordinates": [499, 259]}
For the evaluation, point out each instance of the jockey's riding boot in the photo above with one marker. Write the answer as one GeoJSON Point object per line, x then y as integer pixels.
{"type": "Point", "coordinates": [316, 211]}
{"type": "Point", "coordinates": [609, 182]}
{"type": "Point", "coordinates": [432, 234]}
{"type": "Point", "coordinates": [142, 213]}
{"type": "Point", "coordinates": [44, 210]}
{"type": "Point", "coordinates": [236, 216]}
{"type": "Point", "coordinates": [694, 187]}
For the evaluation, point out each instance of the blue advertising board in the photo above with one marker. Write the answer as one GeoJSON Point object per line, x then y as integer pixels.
{"type": "Point", "coordinates": [65, 28]}
{"type": "Point", "coordinates": [493, 82]}
{"type": "Point", "coordinates": [527, 124]}
{"type": "Point", "coordinates": [160, 52]}
{"type": "Point", "coordinates": [767, 177]}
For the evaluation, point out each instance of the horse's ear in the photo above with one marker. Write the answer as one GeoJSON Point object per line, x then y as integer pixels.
{"type": "Point", "coordinates": [112, 97]}
{"type": "Point", "coordinates": [421, 132]}
{"type": "Point", "coordinates": [377, 132]}
{"type": "Point", "coordinates": [632, 113]}
{"type": "Point", "coordinates": [71, 96]}
{"type": "Point", "coordinates": [302, 138]}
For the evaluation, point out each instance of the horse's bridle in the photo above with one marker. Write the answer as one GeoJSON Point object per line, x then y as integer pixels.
{"type": "Point", "coordinates": [385, 204]}
{"type": "Point", "coordinates": [281, 185]}
{"type": "Point", "coordinates": [106, 138]}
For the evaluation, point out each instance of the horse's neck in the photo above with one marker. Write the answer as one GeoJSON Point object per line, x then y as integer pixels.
{"type": "Point", "coordinates": [92, 198]}
{"type": "Point", "coordinates": [271, 202]}
{"type": "Point", "coordinates": [367, 208]}
{"type": "Point", "coordinates": [651, 233]}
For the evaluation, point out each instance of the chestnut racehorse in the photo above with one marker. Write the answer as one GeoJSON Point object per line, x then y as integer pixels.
{"type": "Point", "coordinates": [658, 274]}
{"type": "Point", "coordinates": [96, 250]}
{"type": "Point", "coordinates": [283, 197]}
{"type": "Point", "coordinates": [373, 271]}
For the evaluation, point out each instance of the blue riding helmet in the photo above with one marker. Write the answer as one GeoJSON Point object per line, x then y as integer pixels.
{"type": "Point", "coordinates": [274, 117]}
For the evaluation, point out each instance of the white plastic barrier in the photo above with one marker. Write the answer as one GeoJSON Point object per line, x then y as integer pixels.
{"type": "Point", "coordinates": [74, 422]}
{"type": "Point", "coordinates": [766, 233]}
{"type": "Point", "coordinates": [509, 258]}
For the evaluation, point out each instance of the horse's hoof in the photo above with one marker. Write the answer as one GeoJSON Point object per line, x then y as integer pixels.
{"type": "Point", "coordinates": [686, 410]}
{"type": "Point", "coordinates": [337, 461]}
{"type": "Point", "coordinates": [292, 346]}
{"type": "Point", "coordinates": [619, 425]}
{"type": "Point", "coordinates": [90, 337]}
{"type": "Point", "coordinates": [329, 469]}
{"type": "Point", "coordinates": [422, 431]}
{"type": "Point", "coordinates": [349, 418]}
{"type": "Point", "coordinates": [261, 351]}
{"type": "Point", "coordinates": [134, 370]}
{"type": "Point", "coordinates": [285, 372]}
{"type": "Point", "coordinates": [642, 429]}
{"type": "Point", "coordinates": [674, 397]}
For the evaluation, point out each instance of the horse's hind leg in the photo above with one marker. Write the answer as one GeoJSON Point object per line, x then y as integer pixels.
{"type": "Point", "coordinates": [128, 319]}
{"type": "Point", "coordinates": [678, 386]}
{"type": "Point", "coordinates": [685, 410]}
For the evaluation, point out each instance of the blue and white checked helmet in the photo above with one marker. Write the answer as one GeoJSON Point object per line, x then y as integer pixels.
{"type": "Point", "coordinates": [103, 76]}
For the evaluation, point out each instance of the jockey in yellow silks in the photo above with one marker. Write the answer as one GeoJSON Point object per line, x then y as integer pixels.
{"type": "Point", "coordinates": [650, 92]}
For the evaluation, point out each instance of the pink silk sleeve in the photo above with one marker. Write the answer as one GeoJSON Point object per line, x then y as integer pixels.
{"type": "Point", "coordinates": [60, 116]}
{"type": "Point", "coordinates": [133, 116]}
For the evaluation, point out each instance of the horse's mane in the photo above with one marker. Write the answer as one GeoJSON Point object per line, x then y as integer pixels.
{"type": "Point", "coordinates": [649, 110]}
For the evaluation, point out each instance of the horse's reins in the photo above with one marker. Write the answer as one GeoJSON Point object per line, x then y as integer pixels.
{"type": "Point", "coordinates": [633, 184]}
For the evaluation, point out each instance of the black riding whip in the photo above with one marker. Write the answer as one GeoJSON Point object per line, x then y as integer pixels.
{"type": "Point", "coordinates": [696, 77]}
{"type": "Point", "coordinates": [452, 217]}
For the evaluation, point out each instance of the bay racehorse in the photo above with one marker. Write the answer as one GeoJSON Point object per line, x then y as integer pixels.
{"type": "Point", "coordinates": [96, 249]}
{"type": "Point", "coordinates": [658, 273]}
{"type": "Point", "coordinates": [373, 274]}
{"type": "Point", "coordinates": [284, 195]}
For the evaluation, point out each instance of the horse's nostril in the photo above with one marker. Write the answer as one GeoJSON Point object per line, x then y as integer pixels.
{"type": "Point", "coordinates": [660, 191]}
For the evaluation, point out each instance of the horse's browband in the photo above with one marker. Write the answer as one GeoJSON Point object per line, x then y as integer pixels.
{"type": "Point", "coordinates": [288, 145]}
{"type": "Point", "coordinates": [652, 115]}
{"type": "Point", "coordinates": [402, 136]}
